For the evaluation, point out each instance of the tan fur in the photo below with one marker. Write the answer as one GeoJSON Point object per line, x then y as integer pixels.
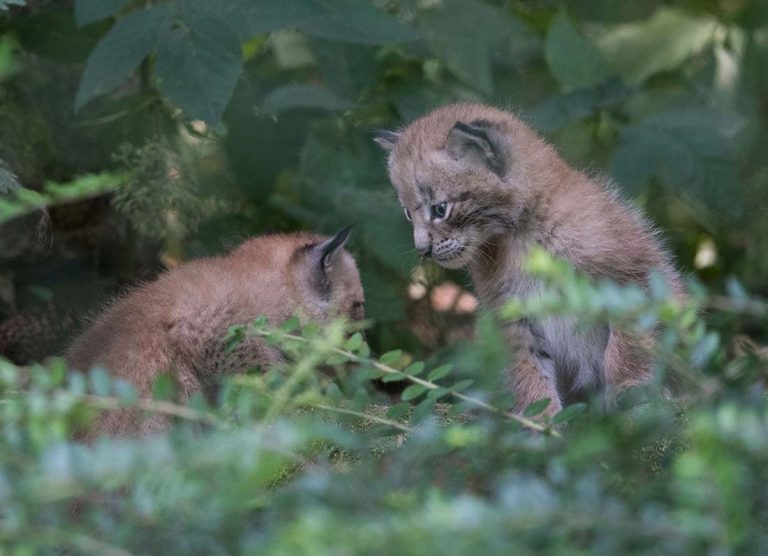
{"type": "Point", "coordinates": [509, 190]}
{"type": "Point", "coordinates": [176, 323]}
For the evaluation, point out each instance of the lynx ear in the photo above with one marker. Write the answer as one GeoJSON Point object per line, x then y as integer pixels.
{"type": "Point", "coordinates": [386, 139]}
{"type": "Point", "coordinates": [326, 251]}
{"type": "Point", "coordinates": [477, 141]}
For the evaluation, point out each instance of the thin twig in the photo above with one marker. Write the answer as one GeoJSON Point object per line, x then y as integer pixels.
{"type": "Point", "coordinates": [155, 406]}
{"type": "Point", "coordinates": [528, 423]}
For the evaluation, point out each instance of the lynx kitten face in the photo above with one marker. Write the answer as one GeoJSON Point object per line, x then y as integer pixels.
{"type": "Point", "coordinates": [450, 182]}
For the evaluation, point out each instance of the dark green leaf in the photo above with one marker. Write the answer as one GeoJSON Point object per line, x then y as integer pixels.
{"type": "Point", "coordinates": [440, 372]}
{"type": "Point", "coordinates": [422, 410]}
{"type": "Point", "coordinates": [198, 65]}
{"type": "Point", "coordinates": [414, 368]}
{"type": "Point", "coordinates": [462, 385]}
{"type": "Point", "coordinates": [398, 410]}
{"type": "Point", "coordinates": [412, 392]}
{"type": "Point", "coordinates": [573, 58]}
{"type": "Point", "coordinates": [120, 52]}
{"type": "Point", "coordinates": [88, 11]}
{"type": "Point", "coordinates": [163, 387]}
{"type": "Point", "coordinates": [357, 22]}
{"type": "Point", "coordinates": [391, 357]}
{"type": "Point", "coordinates": [536, 407]}
{"type": "Point", "coordinates": [568, 413]}
{"type": "Point", "coordinates": [687, 149]}
{"type": "Point", "coordinates": [303, 96]}
{"type": "Point", "coordinates": [393, 377]}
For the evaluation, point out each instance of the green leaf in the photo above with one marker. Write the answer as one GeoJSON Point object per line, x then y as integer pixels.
{"type": "Point", "coordinates": [568, 413]}
{"type": "Point", "coordinates": [357, 22]}
{"type": "Point", "coordinates": [440, 372]}
{"type": "Point", "coordinates": [88, 11]}
{"type": "Point", "coordinates": [536, 407]}
{"type": "Point", "coordinates": [688, 149]}
{"type": "Point", "coordinates": [639, 50]}
{"type": "Point", "coordinates": [100, 382]}
{"type": "Point", "coordinates": [573, 59]}
{"type": "Point", "coordinates": [437, 393]}
{"type": "Point", "coordinates": [249, 18]}
{"type": "Point", "coordinates": [469, 55]}
{"type": "Point", "coordinates": [121, 51]}
{"type": "Point", "coordinates": [303, 96]}
{"type": "Point", "coordinates": [198, 66]}
{"type": "Point", "coordinates": [561, 110]}
{"type": "Point", "coordinates": [391, 357]}
{"type": "Point", "coordinates": [414, 368]}
{"type": "Point", "coordinates": [412, 392]}
{"type": "Point", "coordinates": [462, 385]}
{"type": "Point", "coordinates": [291, 324]}
{"type": "Point", "coordinates": [163, 387]}
{"type": "Point", "coordinates": [354, 342]}
{"type": "Point", "coordinates": [422, 410]}
{"type": "Point", "coordinates": [393, 377]}
{"type": "Point", "coordinates": [398, 410]}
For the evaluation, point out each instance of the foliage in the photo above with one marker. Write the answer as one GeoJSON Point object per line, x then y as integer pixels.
{"type": "Point", "coordinates": [303, 460]}
{"type": "Point", "coordinates": [199, 123]}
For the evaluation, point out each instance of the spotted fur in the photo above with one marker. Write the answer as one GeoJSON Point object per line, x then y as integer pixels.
{"type": "Point", "coordinates": [176, 323]}
{"type": "Point", "coordinates": [508, 190]}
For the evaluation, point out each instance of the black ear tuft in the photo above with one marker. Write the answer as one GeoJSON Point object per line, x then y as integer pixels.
{"type": "Point", "coordinates": [386, 139]}
{"type": "Point", "coordinates": [328, 249]}
{"type": "Point", "coordinates": [477, 140]}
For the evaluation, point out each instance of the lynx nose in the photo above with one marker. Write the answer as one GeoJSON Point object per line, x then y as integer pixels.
{"type": "Point", "coordinates": [424, 251]}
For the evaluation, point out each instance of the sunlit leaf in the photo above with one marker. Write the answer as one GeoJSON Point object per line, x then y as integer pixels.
{"type": "Point", "coordinates": [638, 50]}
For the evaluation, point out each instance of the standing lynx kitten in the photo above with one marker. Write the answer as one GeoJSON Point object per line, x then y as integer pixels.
{"type": "Point", "coordinates": [176, 323]}
{"type": "Point", "coordinates": [481, 189]}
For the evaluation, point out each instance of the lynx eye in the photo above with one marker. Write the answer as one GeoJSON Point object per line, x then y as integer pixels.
{"type": "Point", "coordinates": [439, 210]}
{"type": "Point", "coordinates": [407, 214]}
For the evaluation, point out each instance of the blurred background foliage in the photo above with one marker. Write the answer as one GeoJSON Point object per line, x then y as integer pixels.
{"type": "Point", "coordinates": [136, 134]}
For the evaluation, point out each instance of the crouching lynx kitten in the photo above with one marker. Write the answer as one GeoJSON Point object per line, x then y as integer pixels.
{"type": "Point", "coordinates": [480, 189]}
{"type": "Point", "coordinates": [176, 323]}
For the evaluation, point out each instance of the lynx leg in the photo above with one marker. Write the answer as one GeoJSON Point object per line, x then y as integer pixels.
{"type": "Point", "coordinates": [532, 376]}
{"type": "Point", "coordinates": [627, 361]}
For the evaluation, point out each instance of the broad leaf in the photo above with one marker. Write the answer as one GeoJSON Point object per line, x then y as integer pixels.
{"type": "Point", "coordinates": [249, 18]}
{"type": "Point", "coordinates": [561, 110]}
{"type": "Point", "coordinates": [453, 31]}
{"type": "Point", "coordinates": [303, 96]}
{"type": "Point", "coordinates": [121, 51]}
{"type": "Point", "coordinates": [573, 58]}
{"type": "Point", "coordinates": [686, 149]}
{"type": "Point", "coordinates": [88, 11]}
{"type": "Point", "coordinates": [357, 22]}
{"type": "Point", "coordinates": [198, 66]}
{"type": "Point", "coordinates": [660, 43]}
